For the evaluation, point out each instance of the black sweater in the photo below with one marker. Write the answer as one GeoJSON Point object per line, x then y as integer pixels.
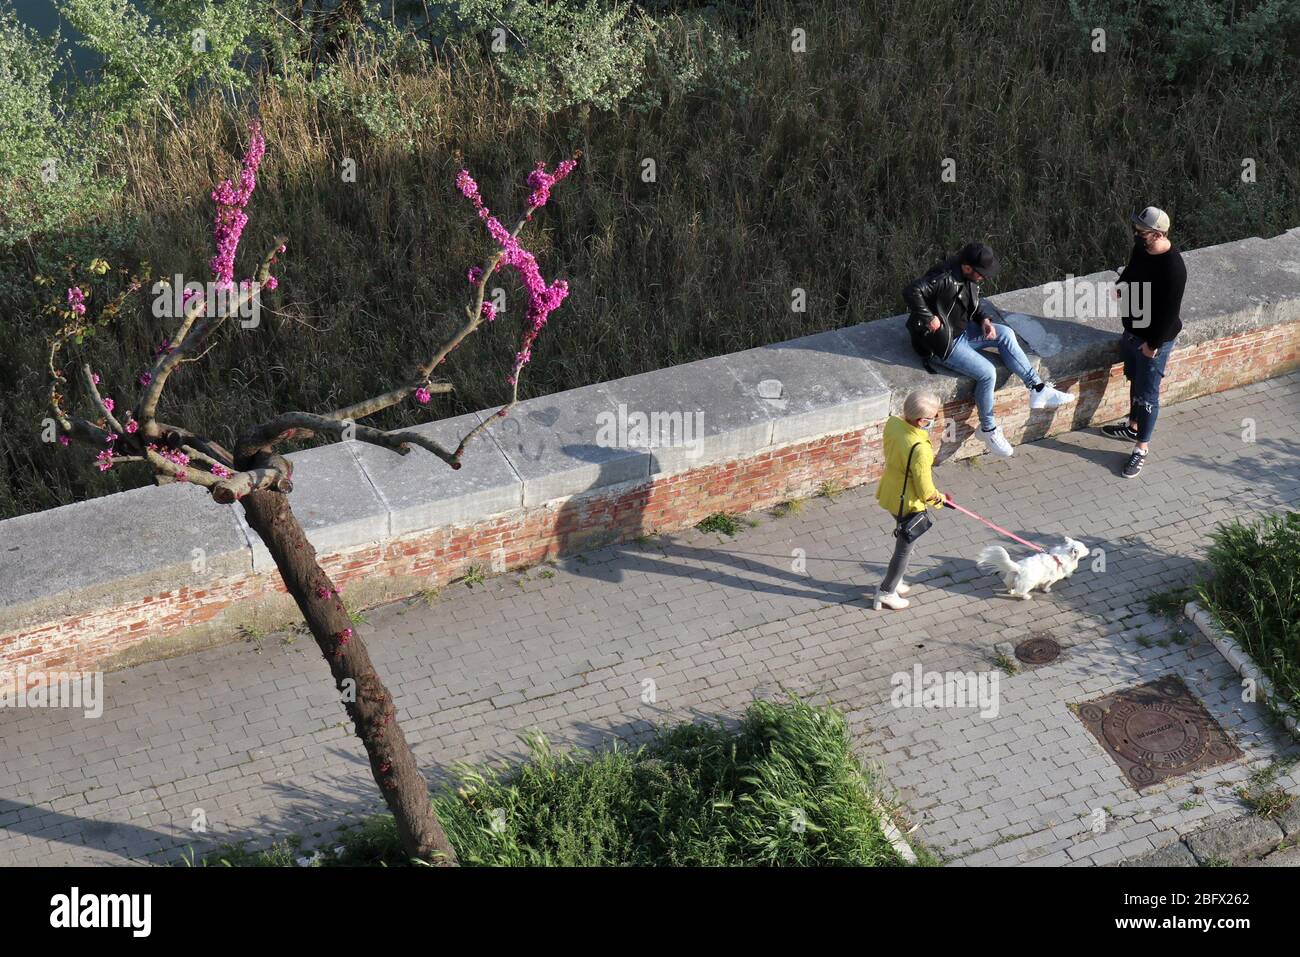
{"type": "Point", "coordinates": [1168, 278]}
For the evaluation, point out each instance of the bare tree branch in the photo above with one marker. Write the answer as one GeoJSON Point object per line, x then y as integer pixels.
{"type": "Point", "coordinates": [302, 425]}
{"type": "Point", "coordinates": [99, 399]}
{"type": "Point", "coordinates": [192, 334]}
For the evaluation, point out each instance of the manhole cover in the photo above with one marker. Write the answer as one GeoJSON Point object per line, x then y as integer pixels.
{"type": "Point", "coordinates": [1157, 731]}
{"type": "Point", "coordinates": [1038, 650]}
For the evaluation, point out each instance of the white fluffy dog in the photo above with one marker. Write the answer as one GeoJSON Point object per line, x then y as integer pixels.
{"type": "Point", "coordinates": [1039, 570]}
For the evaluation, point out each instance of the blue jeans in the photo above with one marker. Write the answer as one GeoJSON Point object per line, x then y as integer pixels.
{"type": "Point", "coordinates": [1145, 377]}
{"type": "Point", "coordinates": [965, 359]}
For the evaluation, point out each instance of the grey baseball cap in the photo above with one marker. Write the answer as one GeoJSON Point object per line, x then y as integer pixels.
{"type": "Point", "coordinates": [1151, 218]}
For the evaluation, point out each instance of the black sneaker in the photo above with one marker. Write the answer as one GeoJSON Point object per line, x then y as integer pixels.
{"type": "Point", "coordinates": [1121, 431]}
{"type": "Point", "coordinates": [1135, 463]}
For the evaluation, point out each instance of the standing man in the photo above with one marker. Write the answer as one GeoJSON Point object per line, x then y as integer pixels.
{"type": "Point", "coordinates": [950, 324]}
{"type": "Point", "coordinates": [1151, 287]}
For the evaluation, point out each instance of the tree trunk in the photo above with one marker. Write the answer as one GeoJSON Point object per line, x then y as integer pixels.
{"type": "Point", "coordinates": [362, 693]}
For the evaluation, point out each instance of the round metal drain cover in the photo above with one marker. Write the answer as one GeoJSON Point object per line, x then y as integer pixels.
{"type": "Point", "coordinates": [1038, 650]}
{"type": "Point", "coordinates": [1157, 731]}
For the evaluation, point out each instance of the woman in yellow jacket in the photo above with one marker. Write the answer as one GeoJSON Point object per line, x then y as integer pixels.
{"type": "Point", "coordinates": [906, 437]}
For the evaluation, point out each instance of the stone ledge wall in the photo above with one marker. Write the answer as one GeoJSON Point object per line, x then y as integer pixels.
{"type": "Point", "coordinates": [170, 571]}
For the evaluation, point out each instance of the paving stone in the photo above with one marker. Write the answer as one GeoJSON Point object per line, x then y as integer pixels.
{"type": "Point", "coordinates": [715, 624]}
{"type": "Point", "coordinates": [1172, 855]}
{"type": "Point", "coordinates": [1236, 840]}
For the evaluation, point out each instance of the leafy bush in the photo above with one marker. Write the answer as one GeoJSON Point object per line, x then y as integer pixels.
{"type": "Point", "coordinates": [1182, 38]}
{"type": "Point", "coordinates": [1255, 594]}
{"type": "Point", "coordinates": [154, 53]}
{"type": "Point", "coordinates": [593, 54]}
{"type": "Point", "coordinates": [782, 789]}
{"type": "Point", "coordinates": [49, 163]}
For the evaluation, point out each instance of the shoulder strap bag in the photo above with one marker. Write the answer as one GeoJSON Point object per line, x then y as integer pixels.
{"type": "Point", "coordinates": [918, 523]}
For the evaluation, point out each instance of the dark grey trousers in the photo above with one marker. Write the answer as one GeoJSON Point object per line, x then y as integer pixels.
{"type": "Point", "coordinates": [897, 564]}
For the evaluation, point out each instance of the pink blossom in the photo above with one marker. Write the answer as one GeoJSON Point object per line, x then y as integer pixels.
{"type": "Point", "coordinates": [542, 299]}
{"type": "Point", "coordinates": [422, 395]}
{"type": "Point", "coordinates": [542, 181]}
{"type": "Point", "coordinates": [110, 438]}
{"type": "Point", "coordinates": [77, 300]}
{"type": "Point", "coordinates": [489, 311]}
{"type": "Point", "coordinates": [271, 283]}
{"type": "Point", "coordinates": [474, 274]}
{"type": "Point", "coordinates": [94, 377]}
{"type": "Point", "coordinates": [220, 471]}
{"type": "Point", "coordinates": [64, 440]}
{"type": "Point", "coordinates": [231, 200]}
{"type": "Point", "coordinates": [146, 378]}
{"type": "Point", "coordinates": [175, 456]}
{"type": "Point", "coordinates": [104, 460]}
{"type": "Point", "coordinates": [108, 403]}
{"type": "Point", "coordinates": [132, 426]}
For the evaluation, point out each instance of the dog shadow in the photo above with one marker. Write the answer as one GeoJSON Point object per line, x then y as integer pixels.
{"type": "Point", "coordinates": [1118, 572]}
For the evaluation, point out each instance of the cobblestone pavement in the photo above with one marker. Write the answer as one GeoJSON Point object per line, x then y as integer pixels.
{"type": "Point", "coordinates": [248, 739]}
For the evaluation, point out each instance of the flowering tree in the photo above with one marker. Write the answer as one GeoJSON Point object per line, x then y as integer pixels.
{"type": "Point", "coordinates": [259, 478]}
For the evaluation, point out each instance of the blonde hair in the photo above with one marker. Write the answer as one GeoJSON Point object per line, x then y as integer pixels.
{"type": "Point", "coordinates": [922, 404]}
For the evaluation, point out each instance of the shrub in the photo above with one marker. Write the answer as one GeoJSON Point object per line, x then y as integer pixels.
{"type": "Point", "coordinates": [782, 789]}
{"type": "Point", "coordinates": [1255, 594]}
{"type": "Point", "coordinates": [1181, 38]}
{"type": "Point", "coordinates": [49, 162]}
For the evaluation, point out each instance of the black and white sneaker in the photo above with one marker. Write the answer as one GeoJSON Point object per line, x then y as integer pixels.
{"type": "Point", "coordinates": [1135, 463]}
{"type": "Point", "coordinates": [1121, 431]}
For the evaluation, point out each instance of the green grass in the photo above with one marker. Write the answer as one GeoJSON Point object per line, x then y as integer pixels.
{"type": "Point", "coordinates": [1254, 594]}
{"type": "Point", "coordinates": [1262, 796]}
{"type": "Point", "coordinates": [839, 148]}
{"type": "Point", "coordinates": [721, 523]}
{"type": "Point", "coordinates": [830, 489]}
{"type": "Point", "coordinates": [1170, 603]}
{"type": "Point", "coordinates": [782, 789]}
{"type": "Point", "coordinates": [474, 575]}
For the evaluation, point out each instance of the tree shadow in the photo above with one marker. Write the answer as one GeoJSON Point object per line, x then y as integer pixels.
{"type": "Point", "coordinates": [111, 837]}
{"type": "Point", "coordinates": [1272, 474]}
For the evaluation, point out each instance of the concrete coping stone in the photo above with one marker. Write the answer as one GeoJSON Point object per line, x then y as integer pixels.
{"type": "Point", "coordinates": [629, 430]}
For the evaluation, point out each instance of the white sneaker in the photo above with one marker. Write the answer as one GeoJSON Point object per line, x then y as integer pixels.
{"type": "Point", "coordinates": [1048, 397]}
{"type": "Point", "coordinates": [891, 601]}
{"type": "Point", "coordinates": [902, 589]}
{"type": "Point", "coordinates": [997, 442]}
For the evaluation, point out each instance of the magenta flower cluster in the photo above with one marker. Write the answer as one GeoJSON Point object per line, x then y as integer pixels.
{"type": "Point", "coordinates": [542, 299]}
{"type": "Point", "coordinates": [77, 300]}
{"type": "Point", "coordinates": [542, 181]}
{"type": "Point", "coordinates": [231, 200]}
{"type": "Point", "coordinates": [176, 457]}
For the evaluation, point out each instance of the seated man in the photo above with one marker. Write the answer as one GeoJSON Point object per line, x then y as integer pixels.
{"type": "Point", "coordinates": [949, 324]}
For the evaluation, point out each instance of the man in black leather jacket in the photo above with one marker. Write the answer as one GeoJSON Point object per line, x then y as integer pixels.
{"type": "Point", "coordinates": [950, 324]}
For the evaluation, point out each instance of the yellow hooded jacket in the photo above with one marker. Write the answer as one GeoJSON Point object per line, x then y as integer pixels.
{"type": "Point", "coordinates": [899, 437]}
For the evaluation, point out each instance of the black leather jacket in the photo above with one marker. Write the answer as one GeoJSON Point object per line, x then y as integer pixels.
{"type": "Point", "coordinates": [937, 293]}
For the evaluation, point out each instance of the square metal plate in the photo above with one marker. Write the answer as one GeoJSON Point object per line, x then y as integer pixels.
{"type": "Point", "coordinates": [1157, 731]}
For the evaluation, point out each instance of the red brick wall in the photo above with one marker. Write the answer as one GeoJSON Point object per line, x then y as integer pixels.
{"type": "Point", "coordinates": [99, 639]}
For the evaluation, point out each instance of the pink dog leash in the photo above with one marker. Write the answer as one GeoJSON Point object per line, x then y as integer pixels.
{"type": "Point", "coordinates": [997, 528]}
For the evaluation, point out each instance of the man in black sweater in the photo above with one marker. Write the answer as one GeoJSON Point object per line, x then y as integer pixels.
{"type": "Point", "coordinates": [1151, 286]}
